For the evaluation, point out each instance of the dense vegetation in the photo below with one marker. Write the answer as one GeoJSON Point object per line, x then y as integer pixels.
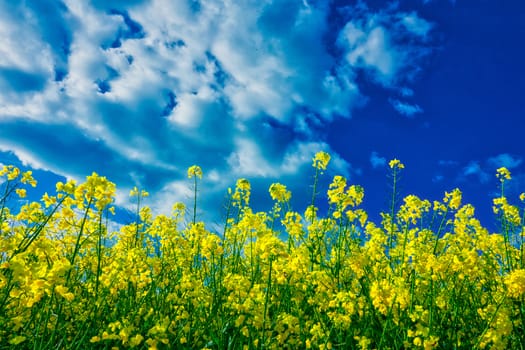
{"type": "Point", "coordinates": [427, 276]}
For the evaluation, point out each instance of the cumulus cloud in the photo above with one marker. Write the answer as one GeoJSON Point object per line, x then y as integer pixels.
{"type": "Point", "coordinates": [142, 90]}
{"type": "Point", "coordinates": [385, 44]}
{"type": "Point", "coordinates": [485, 170]}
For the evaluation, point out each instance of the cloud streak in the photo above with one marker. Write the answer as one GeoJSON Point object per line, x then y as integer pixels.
{"type": "Point", "coordinates": [406, 109]}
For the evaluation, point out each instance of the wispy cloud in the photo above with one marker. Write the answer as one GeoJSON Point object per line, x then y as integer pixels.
{"type": "Point", "coordinates": [406, 109]}
{"type": "Point", "coordinates": [406, 92]}
{"type": "Point", "coordinates": [448, 163]}
{"type": "Point", "coordinates": [505, 160]}
{"type": "Point", "coordinates": [474, 168]}
{"type": "Point", "coordinates": [140, 91]}
{"type": "Point", "coordinates": [437, 178]}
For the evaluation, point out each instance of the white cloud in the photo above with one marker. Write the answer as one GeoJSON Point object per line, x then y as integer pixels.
{"type": "Point", "coordinates": [448, 163]}
{"type": "Point", "coordinates": [21, 47]}
{"type": "Point", "coordinates": [473, 168]}
{"type": "Point", "coordinates": [405, 109]}
{"type": "Point", "coordinates": [377, 161]}
{"type": "Point", "coordinates": [24, 155]}
{"type": "Point", "coordinates": [196, 86]}
{"type": "Point", "coordinates": [437, 178]}
{"type": "Point", "coordinates": [247, 160]}
{"type": "Point", "coordinates": [377, 43]}
{"type": "Point", "coordinates": [416, 24]}
{"type": "Point", "coordinates": [406, 92]}
{"type": "Point", "coordinates": [505, 160]}
{"type": "Point", "coordinates": [372, 49]}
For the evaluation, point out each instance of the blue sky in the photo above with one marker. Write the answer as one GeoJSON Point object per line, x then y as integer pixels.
{"type": "Point", "coordinates": [140, 90]}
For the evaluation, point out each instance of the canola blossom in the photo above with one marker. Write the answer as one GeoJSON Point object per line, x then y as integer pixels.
{"type": "Point", "coordinates": [428, 276]}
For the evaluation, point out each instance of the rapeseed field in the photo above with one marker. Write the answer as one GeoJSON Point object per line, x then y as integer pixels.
{"type": "Point", "coordinates": [428, 276]}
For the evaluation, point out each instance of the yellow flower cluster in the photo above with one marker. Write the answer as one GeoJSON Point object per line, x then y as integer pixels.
{"type": "Point", "coordinates": [279, 193]}
{"type": "Point", "coordinates": [195, 171]}
{"type": "Point", "coordinates": [321, 160]}
{"type": "Point", "coordinates": [425, 277]}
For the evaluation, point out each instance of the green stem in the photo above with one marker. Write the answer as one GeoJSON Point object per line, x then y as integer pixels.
{"type": "Point", "coordinates": [195, 199]}
{"type": "Point", "coordinates": [266, 302]}
{"type": "Point", "coordinates": [392, 210]}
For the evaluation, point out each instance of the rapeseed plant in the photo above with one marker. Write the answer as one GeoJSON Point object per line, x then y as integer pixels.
{"type": "Point", "coordinates": [427, 276]}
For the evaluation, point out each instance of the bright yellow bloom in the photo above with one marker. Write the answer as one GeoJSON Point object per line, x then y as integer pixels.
{"type": "Point", "coordinates": [17, 340]}
{"type": "Point", "coordinates": [311, 212]}
{"type": "Point", "coordinates": [453, 198]}
{"type": "Point", "coordinates": [27, 177]}
{"type": "Point", "coordinates": [68, 188]}
{"type": "Point", "coordinates": [510, 212]}
{"type": "Point", "coordinates": [413, 209]}
{"type": "Point", "coordinates": [321, 160]}
{"type": "Point", "coordinates": [194, 171]}
{"type": "Point", "coordinates": [13, 174]}
{"type": "Point", "coordinates": [363, 342]}
{"type": "Point", "coordinates": [243, 185]}
{"type": "Point", "coordinates": [279, 193]}
{"type": "Point", "coordinates": [64, 292]}
{"type": "Point", "coordinates": [417, 341]}
{"type": "Point", "coordinates": [136, 340]}
{"type": "Point", "coordinates": [135, 192]}
{"type": "Point", "coordinates": [21, 192]}
{"type": "Point", "coordinates": [94, 339]}
{"type": "Point", "coordinates": [503, 174]}
{"type": "Point", "coordinates": [515, 282]}
{"type": "Point", "coordinates": [396, 164]}
{"type": "Point", "coordinates": [431, 343]}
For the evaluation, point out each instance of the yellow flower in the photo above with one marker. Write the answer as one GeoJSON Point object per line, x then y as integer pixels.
{"type": "Point", "coordinates": [510, 212]}
{"type": "Point", "coordinates": [321, 160]}
{"type": "Point", "coordinates": [136, 340]}
{"type": "Point", "coordinates": [194, 171]}
{"type": "Point", "coordinates": [418, 341]}
{"type": "Point", "coordinates": [515, 282]}
{"type": "Point", "coordinates": [396, 164]}
{"type": "Point", "coordinates": [431, 342]}
{"type": "Point", "coordinates": [13, 174]}
{"type": "Point", "coordinates": [413, 209]}
{"type": "Point", "coordinates": [64, 292]}
{"type": "Point", "coordinates": [522, 197]}
{"type": "Point", "coordinates": [311, 212]}
{"type": "Point", "coordinates": [453, 198]}
{"type": "Point", "coordinates": [21, 192]}
{"type": "Point", "coordinates": [503, 174]}
{"type": "Point", "coordinates": [27, 177]}
{"type": "Point", "coordinates": [94, 339]}
{"type": "Point", "coordinates": [135, 192]}
{"type": "Point", "coordinates": [243, 185]}
{"type": "Point", "coordinates": [279, 193]}
{"type": "Point", "coordinates": [363, 342]}
{"type": "Point", "coordinates": [17, 340]}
